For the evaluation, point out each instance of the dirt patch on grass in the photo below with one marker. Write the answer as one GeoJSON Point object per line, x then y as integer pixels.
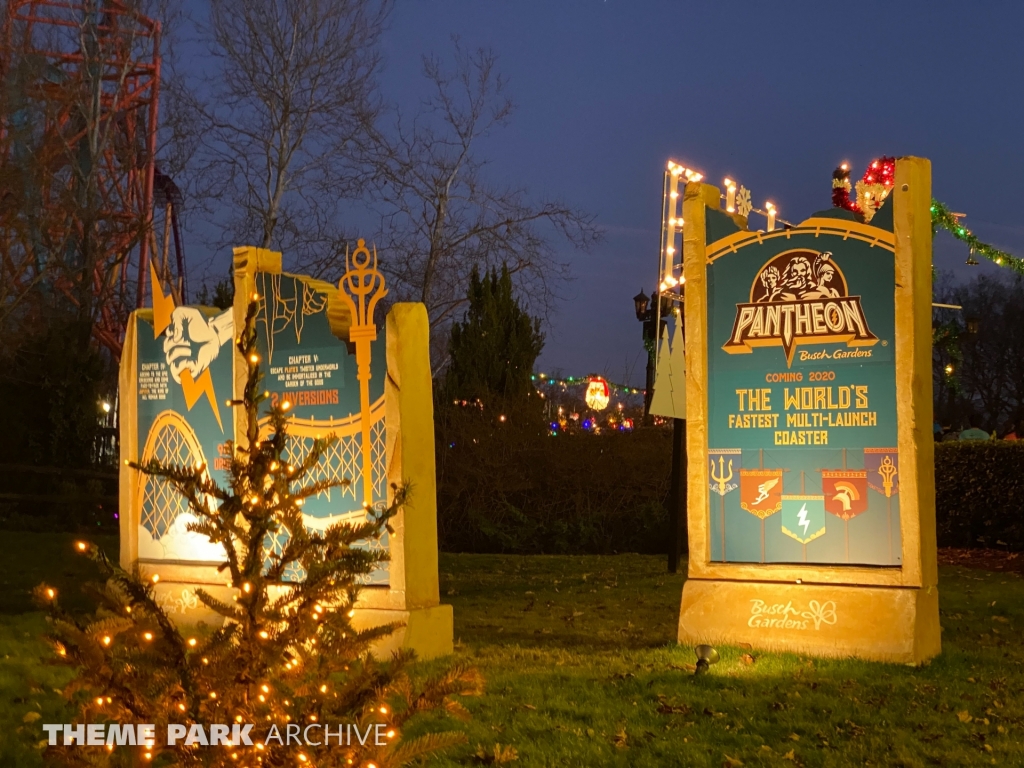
{"type": "Point", "coordinates": [983, 559]}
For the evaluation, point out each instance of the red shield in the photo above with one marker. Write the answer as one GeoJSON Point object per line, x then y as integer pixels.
{"type": "Point", "coordinates": [845, 491]}
{"type": "Point", "coordinates": [761, 491]}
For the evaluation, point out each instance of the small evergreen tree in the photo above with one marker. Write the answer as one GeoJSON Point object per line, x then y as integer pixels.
{"type": "Point", "coordinates": [287, 652]}
{"type": "Point", "coordinates": [222, 296]}
{"type": "Point", "coordinates": [494, 348]}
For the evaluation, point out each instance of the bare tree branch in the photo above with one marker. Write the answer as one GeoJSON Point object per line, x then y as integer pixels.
{"type": "Point", "coordinates": [292, 92]}
{"type": "Point", "coordinates": [441, 215]}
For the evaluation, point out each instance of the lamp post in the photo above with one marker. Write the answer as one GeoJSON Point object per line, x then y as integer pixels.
{"type": "Point", "coordinates": [645, 314]}
{"type": "Point", "coordinates": [653, 320]}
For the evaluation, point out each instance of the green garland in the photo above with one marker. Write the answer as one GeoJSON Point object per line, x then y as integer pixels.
{"type": "Point", "coordinates": [942, 217]}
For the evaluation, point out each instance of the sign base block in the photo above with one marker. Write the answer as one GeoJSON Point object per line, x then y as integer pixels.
{"type": "Point", "coordinates": [894, 624]}
{"type": "Point", "coordinates": [427, 631]}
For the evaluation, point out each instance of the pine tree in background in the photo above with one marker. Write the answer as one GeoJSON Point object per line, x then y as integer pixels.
{"type": "Point", "coordinates": [287, 653]}
{"type": "Point", "coordinates": [494, 348]}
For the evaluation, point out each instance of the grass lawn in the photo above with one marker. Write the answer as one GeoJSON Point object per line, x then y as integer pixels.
{"type": "Point", "coordinates": [582, 670]}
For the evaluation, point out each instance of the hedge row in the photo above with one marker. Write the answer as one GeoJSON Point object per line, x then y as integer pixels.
{"type": "Point", "coordinates": [588, 494]}
{"type": "Point", "coordinates": [979, 494]}
{"type": "Point", "coordinates": [603, 494]}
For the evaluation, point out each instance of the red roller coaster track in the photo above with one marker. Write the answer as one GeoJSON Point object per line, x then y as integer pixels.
{"type": "Point", "coordinates": [78, 135]}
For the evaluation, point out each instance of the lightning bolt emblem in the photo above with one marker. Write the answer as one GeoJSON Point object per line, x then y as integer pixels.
{"type": "Point", "coordinates": [801, 518]}
{"type": "Point", "coordinates": [163, 307]}
{"type": "Point", "coordinates": [193, 390]}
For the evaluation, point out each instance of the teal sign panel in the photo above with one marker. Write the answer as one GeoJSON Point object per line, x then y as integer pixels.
{"type": "Point", "coordinates": [183, 378]}
{"type": "Point", "coordinates": [802, 396]}
{"type": "Point", "coordinates": [306, 363]}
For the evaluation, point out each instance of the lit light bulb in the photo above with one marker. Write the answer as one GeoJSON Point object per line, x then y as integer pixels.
{"type": "Point", "coordinates": [148, 635]}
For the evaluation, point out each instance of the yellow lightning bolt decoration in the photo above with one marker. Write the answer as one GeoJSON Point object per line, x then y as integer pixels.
{"type": "Point", "coordinates": [193, 389]}
{"type": "Point", "coordinates": [163, 306]}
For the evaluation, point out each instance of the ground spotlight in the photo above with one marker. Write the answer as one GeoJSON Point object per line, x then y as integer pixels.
{"type": "Point", "coordinates": [706, 656]}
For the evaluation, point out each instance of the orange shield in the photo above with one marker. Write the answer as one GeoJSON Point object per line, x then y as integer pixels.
{"type": "Point", "coordinates": [845, 491]}
{"type": "Point", "coordinates": [761, 491]}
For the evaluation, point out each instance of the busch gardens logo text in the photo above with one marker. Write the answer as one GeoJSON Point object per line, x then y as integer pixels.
{"type": "Point", "coordinates": [799, 297]}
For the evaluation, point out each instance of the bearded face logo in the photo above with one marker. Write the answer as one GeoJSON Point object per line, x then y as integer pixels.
{"type": "Point", "coordinates": [799, 297]}
{"type": "Point", "coordinates": [799, 280]}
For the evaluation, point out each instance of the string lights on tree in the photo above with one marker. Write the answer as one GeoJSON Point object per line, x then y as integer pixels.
{"type": "Point", "coordinates": [287, 650]}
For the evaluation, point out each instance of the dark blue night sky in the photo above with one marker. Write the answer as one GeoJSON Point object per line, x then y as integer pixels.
{"type": "Point", "coordinates": [774, 95]}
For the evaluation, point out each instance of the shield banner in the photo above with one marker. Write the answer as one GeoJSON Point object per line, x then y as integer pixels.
{"type": "Point", "coordinates": [725, 464]}
{"type": "Point", "coordinates": [761, 491]}
{"type": "Point", "coordinates": [882, 465]}
{"type": "Point", "coordinates": [845, 491]}
{"type": "Point", "coordinates": [803, 517]}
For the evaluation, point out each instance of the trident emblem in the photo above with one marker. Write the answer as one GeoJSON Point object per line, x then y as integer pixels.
{"type": "Point", "coordinates": [887, 471]}
{"type": "Point", "coordinates": [722, 479]}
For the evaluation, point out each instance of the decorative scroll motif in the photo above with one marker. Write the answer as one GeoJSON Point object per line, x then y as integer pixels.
{"type": "Point", "coordinates": [189, 601]}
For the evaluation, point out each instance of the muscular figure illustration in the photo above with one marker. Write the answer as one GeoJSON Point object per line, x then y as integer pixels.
{"type": "Point", "coordinates": [193, 340]}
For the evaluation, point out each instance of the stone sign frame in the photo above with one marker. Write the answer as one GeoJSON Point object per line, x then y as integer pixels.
{"type": "Point", "coordinates": [883, 613]}
{"type": "Point", "coordinates": [412, 596]}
